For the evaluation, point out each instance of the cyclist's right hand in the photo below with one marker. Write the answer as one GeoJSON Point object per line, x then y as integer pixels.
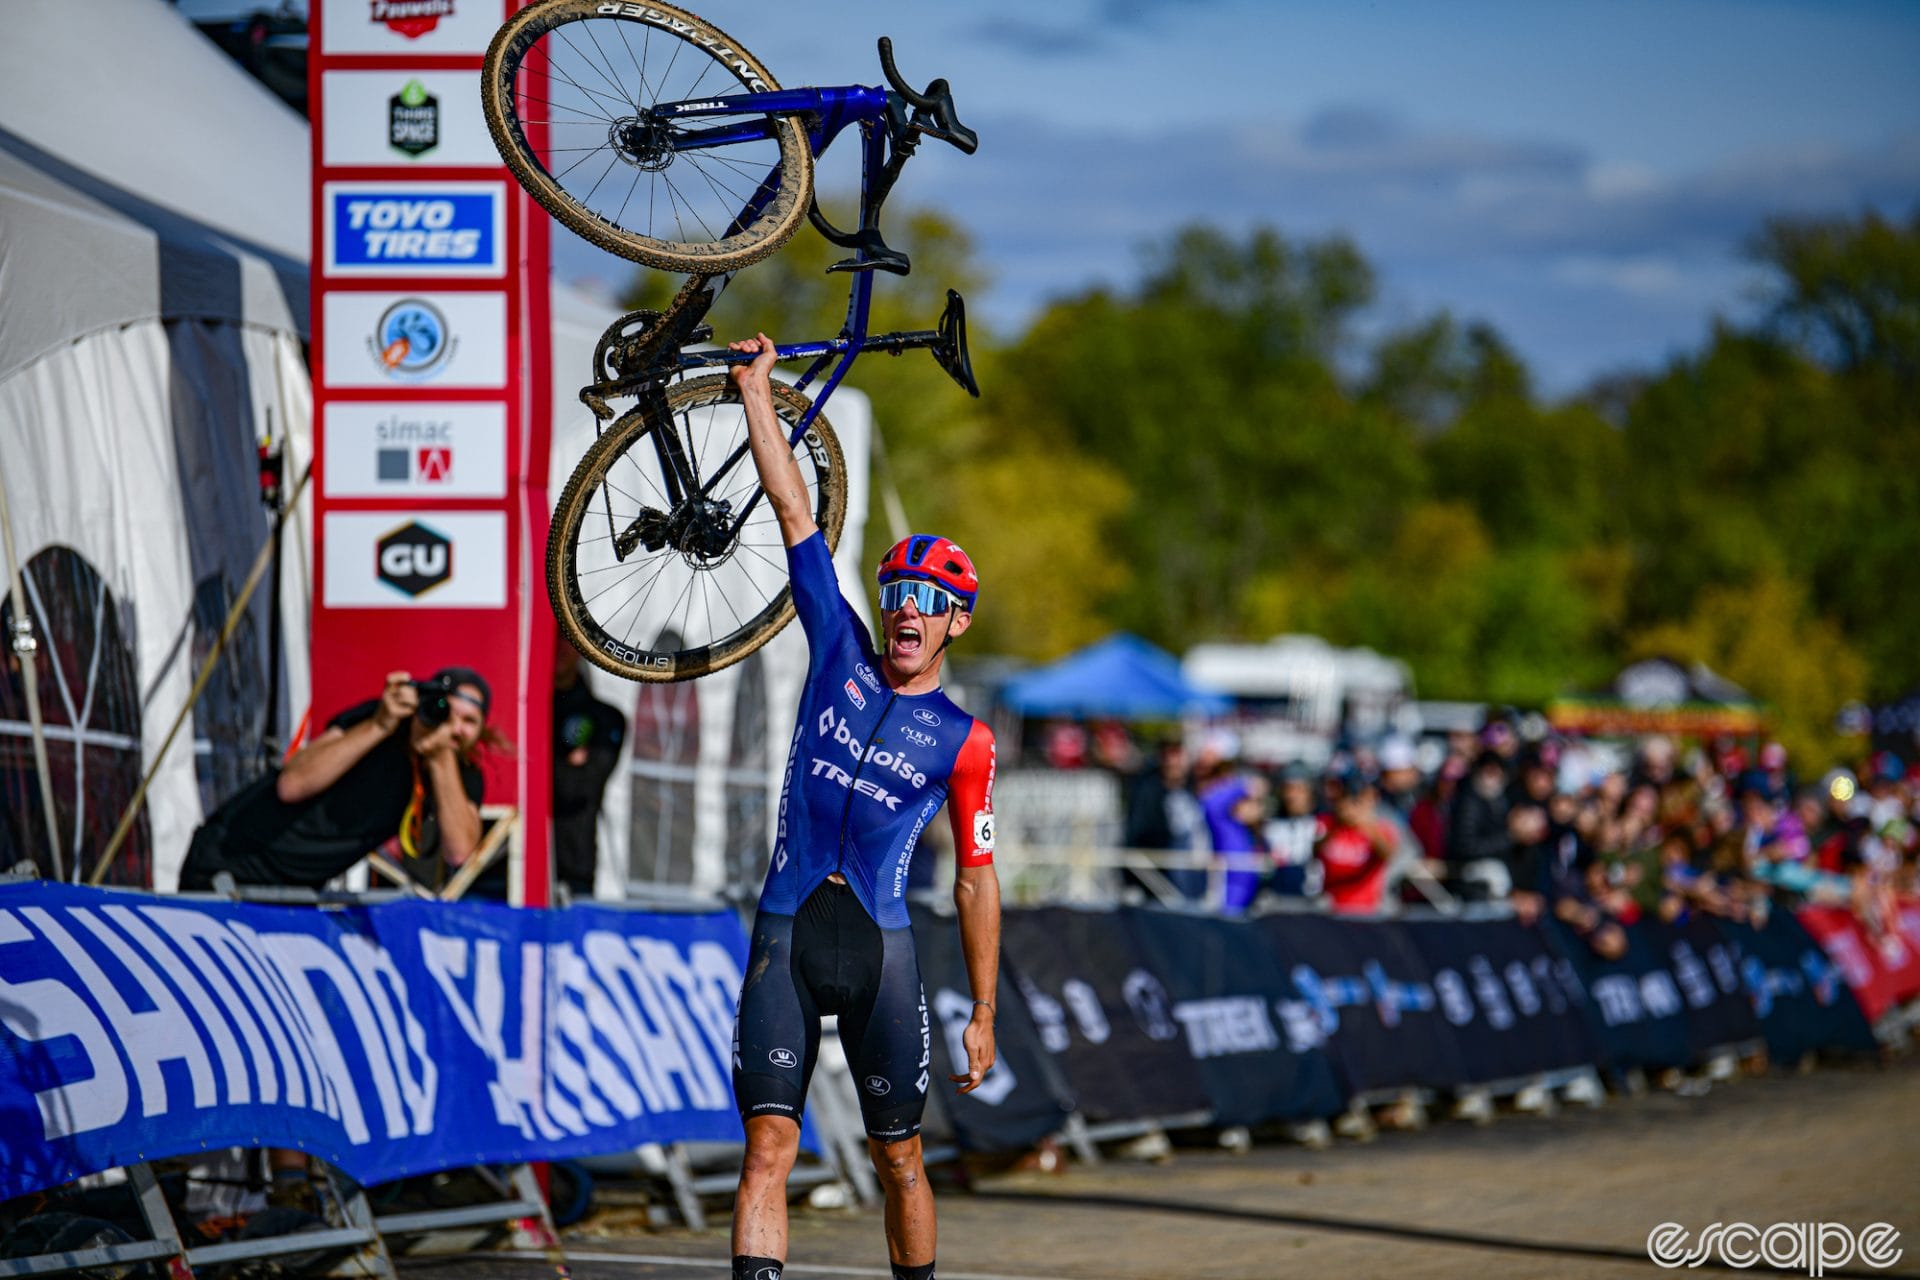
{"type": "Point", "coordinates": [397, 701]}
{"type": "Point", "coordinates": [760, 371]}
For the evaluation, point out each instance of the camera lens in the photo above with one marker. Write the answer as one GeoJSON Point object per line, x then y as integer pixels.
{"type": "Point", "coordinates": [434, 706]}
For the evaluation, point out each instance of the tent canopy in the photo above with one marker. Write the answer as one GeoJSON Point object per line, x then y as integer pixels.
{"type": "Point", "coordinates": [1661, 695]}
{"type": "Point", "coordinates": [1120, 676]}
{"type": "Point", "coordinates": [172, 188]}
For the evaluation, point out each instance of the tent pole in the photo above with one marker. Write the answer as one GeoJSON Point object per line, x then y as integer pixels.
{"type": "Point", "coordinates": [272, 458]}
{"type": "Point", "coordinates": [24, 648]}
{"type": "Point", "coordinates": [234, 615]}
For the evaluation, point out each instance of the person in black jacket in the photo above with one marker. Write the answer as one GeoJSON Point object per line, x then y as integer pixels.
{"type": "Point", "coordinates": [1478, 842]}
{"type": "Point", "coordinates": [587, 735]}
{"type": "Point", "coordinates": [381, 771]}
{"type": "Point", "coordinates": [1163, 815]}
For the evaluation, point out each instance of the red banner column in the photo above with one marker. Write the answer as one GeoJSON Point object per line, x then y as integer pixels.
{"type": "Point", "coordinates": [432, 388]}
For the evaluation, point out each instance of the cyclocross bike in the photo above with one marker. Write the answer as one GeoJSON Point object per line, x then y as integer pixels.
{"type": "Point", "coordinates": [653, 134]}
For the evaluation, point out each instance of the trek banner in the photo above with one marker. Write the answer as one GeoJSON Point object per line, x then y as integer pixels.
{"type": "Point", "coordinates": [389, 1040]}
{"type": "Point", "coordinates": [1224, 991]}
{"type": "Point", "coordinates": [1102, 1014]}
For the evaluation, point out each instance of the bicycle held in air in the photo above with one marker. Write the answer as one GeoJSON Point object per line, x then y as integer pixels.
{"type": "Point", "coordinates": [652, 134]}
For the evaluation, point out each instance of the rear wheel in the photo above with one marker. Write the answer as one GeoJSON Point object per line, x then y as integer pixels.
{"type": "Point", "coordinates": [648, 577]}
{"type": "Point", "coordinates": [569, 87]}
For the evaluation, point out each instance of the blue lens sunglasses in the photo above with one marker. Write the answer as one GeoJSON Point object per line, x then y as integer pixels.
{"type": "Point", "coordinates": [929, 599]}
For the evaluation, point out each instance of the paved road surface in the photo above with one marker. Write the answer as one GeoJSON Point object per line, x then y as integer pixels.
{"type": "Point", "coordinates": [1574, 1195]}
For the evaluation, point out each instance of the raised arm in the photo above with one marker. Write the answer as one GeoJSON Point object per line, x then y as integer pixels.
{"type": "Point", "coordinates": [772, 455]}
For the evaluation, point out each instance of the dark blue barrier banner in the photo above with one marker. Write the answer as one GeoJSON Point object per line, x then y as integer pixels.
{"type": "Point", "coordinates": [1023, 1098]}
{"type": "Point", "coordinates": [390, 1040]}
{"type": "Point", "coordinates": [1224, 991]}
{"type": "Point", "coordinates": [1516, 1009]}
{"type": "Point", "coordinates": [1796, 991]}
{"type": "Point", "coordinates": [1706, 971]}
{"type": "Point", "coordinates": [1102, 1013]}
{"type": "Point", "coordinates": [1638, 1011]}
{"type": "Point", "coordinates": [1364, 991]}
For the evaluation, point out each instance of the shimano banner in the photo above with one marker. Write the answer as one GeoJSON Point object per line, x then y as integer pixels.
{"type": "Point", "coordinates": [1362, 989]}
{"type": "Point", "coordinates": [1102, 1013]}
{"type": "Point", "coordinates": [1229, 1000]}
{"type": "Point", "coordinates": [1021, 1100]}
{"type": "Point", "coordinates": [1515, 1008]}
{"type": "Point", "coordinates": [389, 1040]}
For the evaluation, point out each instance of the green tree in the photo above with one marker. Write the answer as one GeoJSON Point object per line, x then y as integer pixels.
{"type": "Point", "coordinates": [1765, 637]}
{"type": "Point", "coordinates": [1210, 389]}
{"type": "Point", "coordinates": [1849, 289]}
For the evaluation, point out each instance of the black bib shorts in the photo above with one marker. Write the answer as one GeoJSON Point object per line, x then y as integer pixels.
{"type": "Point", "coordinates": [831, 958]}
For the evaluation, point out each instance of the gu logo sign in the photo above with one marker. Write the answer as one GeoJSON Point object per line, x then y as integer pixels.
{"type": "Point", "coordinates": [414, 559]}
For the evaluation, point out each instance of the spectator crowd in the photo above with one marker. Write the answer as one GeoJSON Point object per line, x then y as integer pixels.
{"type": "Point", "coordinates": [1596, 835]}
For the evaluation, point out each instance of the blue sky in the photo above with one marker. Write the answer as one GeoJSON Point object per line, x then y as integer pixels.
{"type": "Point", "coordinates": [1582, 174]}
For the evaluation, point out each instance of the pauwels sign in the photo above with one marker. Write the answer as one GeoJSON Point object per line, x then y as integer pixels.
{"type": "Point", "coordinates": [431, 382]}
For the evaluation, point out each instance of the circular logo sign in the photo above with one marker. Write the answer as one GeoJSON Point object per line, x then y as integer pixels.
{"type": "Point", "coordinates": [411, 341]}
{"type": "Point", "coordinates": [878, 1085]}
{"type": "Point", "coordinates": [1151, 1007]}
{"type": "Point", "coordinates": [925, 716]}
{"type": "Point", "coordinates": [782, 1058]}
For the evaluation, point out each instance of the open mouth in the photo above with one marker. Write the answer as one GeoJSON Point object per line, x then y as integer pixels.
{"type": "Point", "coordinates": [906, 641]}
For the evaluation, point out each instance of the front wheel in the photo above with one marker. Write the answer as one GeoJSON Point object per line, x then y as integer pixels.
{"type": "Point", "coordinates": [665, 560]}
{"type": "Point", "coordinates": [569, 89]}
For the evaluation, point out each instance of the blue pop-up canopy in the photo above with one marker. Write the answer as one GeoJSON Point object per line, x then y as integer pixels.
{"type": "Point", "coordinates": [1121, 676]}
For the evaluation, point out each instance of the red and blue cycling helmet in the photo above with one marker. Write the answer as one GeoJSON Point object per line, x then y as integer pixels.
{"type": "Point", "coordinates": [923, 557]}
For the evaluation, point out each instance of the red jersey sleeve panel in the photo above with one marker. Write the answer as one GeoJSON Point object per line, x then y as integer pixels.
{"type": "Point", "coordinates": [970, 798]}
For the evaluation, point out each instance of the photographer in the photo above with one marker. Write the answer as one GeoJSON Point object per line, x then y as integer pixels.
{"type": "Point", "coordinates": [394, 768]}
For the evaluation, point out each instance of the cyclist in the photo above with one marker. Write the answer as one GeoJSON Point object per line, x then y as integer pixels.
{"type": "Point", "coordinates": [877, 750]}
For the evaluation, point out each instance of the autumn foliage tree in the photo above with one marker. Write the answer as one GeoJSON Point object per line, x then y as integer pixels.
{"type": "Point", "coordinates": [1211, 453]}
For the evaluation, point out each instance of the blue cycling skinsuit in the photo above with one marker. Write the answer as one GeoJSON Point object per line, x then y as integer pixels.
{"type": "Point", "coordinates": [867, 771]}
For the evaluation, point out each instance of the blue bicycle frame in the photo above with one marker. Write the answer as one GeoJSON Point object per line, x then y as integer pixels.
{"type": "Point", "coordinates": [889, 138]}
{"type": "Point", "coordinates": [831, 110]}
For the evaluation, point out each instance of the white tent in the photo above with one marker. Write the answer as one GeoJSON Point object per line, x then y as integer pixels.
{"type": "Point", "coordinates": [153, 306]}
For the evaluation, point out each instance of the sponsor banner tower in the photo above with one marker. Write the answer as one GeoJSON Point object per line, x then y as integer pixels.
{"type": "Point", "coordinates": [431, 384]}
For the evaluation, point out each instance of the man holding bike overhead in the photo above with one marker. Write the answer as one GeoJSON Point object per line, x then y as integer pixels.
{"type": "Point", "coordinates": [877, 751]}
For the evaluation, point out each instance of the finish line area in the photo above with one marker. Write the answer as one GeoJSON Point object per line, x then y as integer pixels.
{"type": "Point", "coordinates": [1574, 1194]}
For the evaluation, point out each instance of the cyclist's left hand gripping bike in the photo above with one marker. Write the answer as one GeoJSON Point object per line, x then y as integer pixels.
{"type": "Point", "coordinates": [651, 133]}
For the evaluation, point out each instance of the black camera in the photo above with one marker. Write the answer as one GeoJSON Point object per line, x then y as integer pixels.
{"type": "Point", "coordinates": [435, 701]}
